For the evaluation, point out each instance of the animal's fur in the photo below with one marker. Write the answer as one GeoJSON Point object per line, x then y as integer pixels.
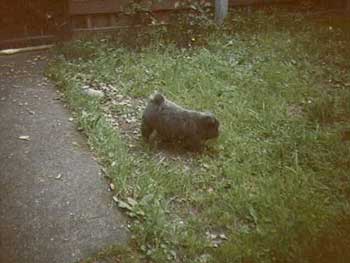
{"type": "Point", "coordinates": [173, 122]}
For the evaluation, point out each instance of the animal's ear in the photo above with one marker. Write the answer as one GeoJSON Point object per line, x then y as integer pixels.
{"type": "Point", "coordinates": [157, 98]}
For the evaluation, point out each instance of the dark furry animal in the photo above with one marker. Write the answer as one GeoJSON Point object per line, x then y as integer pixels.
{"type": "Point", "coordinates": [174, 123]}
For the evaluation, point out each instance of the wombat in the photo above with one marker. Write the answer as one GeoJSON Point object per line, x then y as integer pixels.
{"type": "Point", "coordinates": [175, 123]}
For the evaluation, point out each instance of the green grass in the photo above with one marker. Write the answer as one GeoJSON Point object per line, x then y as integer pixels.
{"type": "Point", "coordinates": [276, 183]}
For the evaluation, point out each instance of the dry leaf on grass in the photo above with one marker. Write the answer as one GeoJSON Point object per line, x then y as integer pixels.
{"type": "Point", "coordinates": [24, 137]}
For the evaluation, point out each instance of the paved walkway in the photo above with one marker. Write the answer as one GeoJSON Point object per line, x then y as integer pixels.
{"type": "Point", "coordinates": [54, 203]}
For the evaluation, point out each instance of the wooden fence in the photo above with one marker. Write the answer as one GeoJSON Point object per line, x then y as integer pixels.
{"type": "Point", "coordinates": [37, 20]}
{"type": "Point", "coordinates": [97, 15]}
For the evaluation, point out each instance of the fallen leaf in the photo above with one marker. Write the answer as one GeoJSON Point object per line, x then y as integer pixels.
{"type": "Point", "coordinates": [140, 213]}
{"type": "Point", "coordinates": [206, 166]}
{"type": "Point", "coordinates": [115, 198]}
{"type": "Point", "coordinates": [93, 93]}
{"type": "Point", "coordinates": [213, 236]}
{"type": "Point", "coordinates": [124, 205]}
{"type": "Point", "coordinates": [112, 186]}
{"type": "Point", "coordinates": [223, 236]}
{"type": "Point", "coordinates": [24, 137]}
{"type": "Point", "coordinates": [131, 201]}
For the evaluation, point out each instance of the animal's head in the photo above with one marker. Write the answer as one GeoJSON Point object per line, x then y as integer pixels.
{"type": "Point", "coordinates": [209, 126]}
{"type": "Point", "coordinates": [157, 98]}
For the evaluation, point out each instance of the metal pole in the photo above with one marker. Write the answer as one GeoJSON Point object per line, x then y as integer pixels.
{"type": "Point", "coordinates": [221, 10]}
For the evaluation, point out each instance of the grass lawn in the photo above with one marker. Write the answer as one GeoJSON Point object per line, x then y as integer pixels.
{"type": "Point", "coordinates": [274, 187]}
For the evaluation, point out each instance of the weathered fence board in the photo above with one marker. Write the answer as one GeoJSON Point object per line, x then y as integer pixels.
{"type": "Point", "coordinates": [252, 2]}
{"type": "Point", "coordinates": [83, 7]}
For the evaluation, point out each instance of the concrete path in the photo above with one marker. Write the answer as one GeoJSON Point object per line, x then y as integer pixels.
{"type": "Point", "coordinates": [54, 203]}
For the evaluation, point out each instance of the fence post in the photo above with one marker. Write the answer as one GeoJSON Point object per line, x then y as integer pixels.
{"type": "Point", "coordinates": [221, 9]}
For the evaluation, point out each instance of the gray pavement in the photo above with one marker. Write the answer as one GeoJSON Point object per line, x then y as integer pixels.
{"type": "Point", "coordinates": [54, 203]}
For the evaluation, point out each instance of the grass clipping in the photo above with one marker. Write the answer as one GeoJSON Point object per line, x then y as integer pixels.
{"type": "Point", "coordinates": [275, 186]}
